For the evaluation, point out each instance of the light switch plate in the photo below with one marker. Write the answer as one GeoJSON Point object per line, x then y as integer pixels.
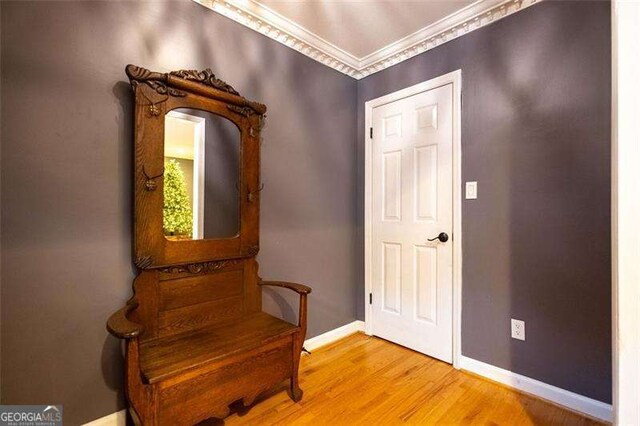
{"type": "Point", "coordinates": [517, 329]}
{"type": "Point", "coordinates": [471, 190]}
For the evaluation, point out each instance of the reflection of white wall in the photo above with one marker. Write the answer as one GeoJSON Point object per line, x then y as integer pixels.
{"type": "Point", "coordinates": [184, 139]}
{"type": "Point", "coordinates": [179, 136]}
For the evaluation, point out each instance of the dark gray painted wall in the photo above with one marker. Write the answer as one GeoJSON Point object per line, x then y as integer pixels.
{"type": "Point", "coordinates": [536, 137]}
{"type": "Point", "coordinates": [66, 173]}
{"type": "Point", "coordinates": [221, 177]}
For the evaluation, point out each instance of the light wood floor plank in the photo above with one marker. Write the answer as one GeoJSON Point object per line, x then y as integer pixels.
{"type": "Point", "coordinates": [363, 380]}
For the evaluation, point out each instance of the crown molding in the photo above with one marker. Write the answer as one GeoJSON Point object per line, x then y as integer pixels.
{"type": "Point", "coordinates": [260, 18]}
{"type": "Point", "coordinates": [477, 15]}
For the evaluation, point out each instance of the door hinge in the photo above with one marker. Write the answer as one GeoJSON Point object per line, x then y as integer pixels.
{"type": "Point", "coordinates": [370, 298]}
{"type": "Point", "coordinates": [370, 132]}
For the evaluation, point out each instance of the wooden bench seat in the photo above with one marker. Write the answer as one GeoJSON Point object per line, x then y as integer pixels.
{"type": "Point", "coordinates": [166, 357]}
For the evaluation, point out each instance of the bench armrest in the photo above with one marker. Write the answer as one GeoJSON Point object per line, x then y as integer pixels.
{"type": "Point", "coordinates": [298, 288]}
{"type": "Point", "coordinates": [302, 290]}
{"type": "Point", "coordinates": [120, 326]}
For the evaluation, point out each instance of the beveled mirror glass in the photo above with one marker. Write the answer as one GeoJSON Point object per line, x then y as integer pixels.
{"type": "Point", "coordinates": [201, 177]}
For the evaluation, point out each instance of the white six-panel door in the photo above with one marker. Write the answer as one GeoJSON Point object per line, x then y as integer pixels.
{"type": "Point", "coordinates": [412, 201]}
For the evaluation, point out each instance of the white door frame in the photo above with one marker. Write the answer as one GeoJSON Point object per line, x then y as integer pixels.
{"type": "Point", "coordinates": [454, 78]}
{"type": "Point", "coordinates": [625, 210]}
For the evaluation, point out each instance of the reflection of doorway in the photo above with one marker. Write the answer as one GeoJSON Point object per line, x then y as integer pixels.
{"type": "Point", "coordinates": [186, 133]}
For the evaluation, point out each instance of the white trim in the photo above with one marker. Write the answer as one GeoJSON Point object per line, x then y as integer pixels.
{"type": "Point", "coordinates": [571, 400]}
{"type": "Point", "coordinates": [333, 335]}
{"type": "Point", "coordinates": [254, 15]}
{"type": "Point", "coordinates": [198, 179]}
{"type": "Point", "coordinates": [459, 23]}
{"type": "Point", "coordinates": [198, 170]}
{"type": "Point", "coordinates": [625, 210]}
{"type": "Point", "coordinates": [119, 418]}
{"type": "Point", "coordinates": [454, 78]}
{"type": "Point", "coordinates": [260, 18]}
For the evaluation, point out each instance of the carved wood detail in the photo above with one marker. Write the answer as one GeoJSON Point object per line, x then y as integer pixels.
{"type": "Point", "coordinates": [157, 81]}
{"type": "Point", "coordinates": [200, 268]}
{"type": "Point", "coordinates": [207, 77]}
{"type": "Point", "coordinates": [143, 262]}
{"type": "Point", "coordinates": [160, 83]}
{"type": "Point", "coordinates": [246, 111]}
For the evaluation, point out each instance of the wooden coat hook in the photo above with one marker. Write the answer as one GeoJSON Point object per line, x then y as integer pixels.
{"type": "Point", "coordinates": [250, 194]}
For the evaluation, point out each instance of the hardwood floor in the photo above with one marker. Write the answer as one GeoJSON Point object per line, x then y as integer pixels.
{"type": "Point", "coordinates": [363, 380]}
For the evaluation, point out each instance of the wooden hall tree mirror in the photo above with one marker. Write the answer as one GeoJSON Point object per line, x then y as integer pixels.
{"type": "Point", "coordinates": [196, 337]}
{"type": "Point", "coordinates": [197, 158]}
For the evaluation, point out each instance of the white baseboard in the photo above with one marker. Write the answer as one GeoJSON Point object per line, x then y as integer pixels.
{"type": "Point", "coordinates": [119, 418]}
{"type": "Point", "coordinates": [333, 335]}
{"type": "Point", "coordinates": [573, 401]}
{"type": "Point", "coordinates": [114, 419]}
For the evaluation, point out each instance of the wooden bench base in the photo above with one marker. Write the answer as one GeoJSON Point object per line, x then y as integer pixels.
{"type": "Point", "coordinates": [208, 390]}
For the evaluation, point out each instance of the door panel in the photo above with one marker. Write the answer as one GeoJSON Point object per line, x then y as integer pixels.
{"type": "Point", "coordinates": [426, 283]}
{"type": "Point", "coordinates": [392, 277]}
{"type": "Point", "coordinates": [391, 192]}
{"type": "Point", "coordinates": [426, 182]}
{"type": "Point", "coordinates": [412, 183]}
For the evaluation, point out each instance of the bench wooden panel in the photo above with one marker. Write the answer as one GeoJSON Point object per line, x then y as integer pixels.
{"type": "Point", "coordinates": [244, 379]}
{"type": "Point", "coordinates": [187, 291]}
{"type": "Point", "coordinates": [200, 315]}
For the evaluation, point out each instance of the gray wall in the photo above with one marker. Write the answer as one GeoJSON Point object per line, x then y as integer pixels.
{"type": "Point", "coordinates": [536, 137]}
{"type": "Point", "coordinates": [221, 178]}
{"type": "Point", "coordinates": [66, 174]}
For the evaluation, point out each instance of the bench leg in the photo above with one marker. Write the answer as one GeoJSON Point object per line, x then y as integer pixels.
{"type": "Point", "coordinates": [295, 393]}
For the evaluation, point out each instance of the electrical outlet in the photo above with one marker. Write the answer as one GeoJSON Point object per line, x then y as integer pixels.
{"type": "Point", "coordinates": [517, 329]}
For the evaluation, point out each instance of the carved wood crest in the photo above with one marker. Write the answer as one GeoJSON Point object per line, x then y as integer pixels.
{"type": "Point", "coordinates": [206, 77]}
{"type": "Point", "coordinates": [162, 83]}
{"type": "Point", "coordinates": [155, 80]}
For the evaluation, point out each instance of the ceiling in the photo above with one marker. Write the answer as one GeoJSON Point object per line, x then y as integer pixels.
{"type": "Point", "coordinates": [361, 27]}
{"type": "Point", "coordinates": [361, 37]}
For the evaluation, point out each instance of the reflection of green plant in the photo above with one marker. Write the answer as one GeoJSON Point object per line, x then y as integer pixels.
{"type": "Point", "coordinates": [177, 218]}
